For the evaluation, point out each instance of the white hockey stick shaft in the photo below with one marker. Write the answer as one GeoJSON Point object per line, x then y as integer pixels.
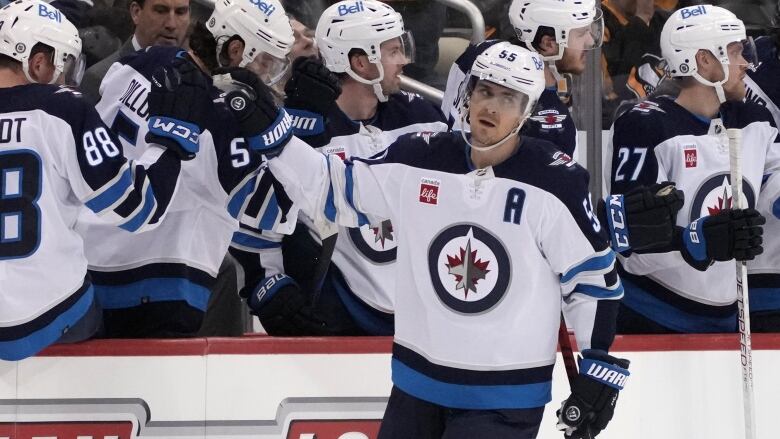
{"type": "Point", "coordinates": [743, 305]}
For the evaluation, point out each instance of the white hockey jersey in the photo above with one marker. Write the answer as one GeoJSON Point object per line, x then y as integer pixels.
{"type": "Point", "coordinates": [365, 255]}
{"type": "Point", "coordinates": [550, 119]}
{"type": "Point", "coordinates": [487, 259]}
{"type": "Point", "coordinates": [56, 156]}
{"type": "Point", "coordinates": [180, 260]}
{"type": "Point", "coordinates": [661, 141]}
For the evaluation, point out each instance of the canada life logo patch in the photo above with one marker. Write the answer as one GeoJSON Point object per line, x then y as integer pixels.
{"type": "Point", "coordinates": [336, 150]}
{"type": "Point", "coordinates": [469, 267]}
{"type": "Point", "coordinates": [429, 190]}
{"type": "Point", "coordinates": [691, 157]}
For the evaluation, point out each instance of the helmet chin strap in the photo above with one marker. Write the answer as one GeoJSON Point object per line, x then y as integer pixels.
{"type": "Point", "coordinates": [375, 83]}
{"type": "Point", "coordinates": [717, 85]}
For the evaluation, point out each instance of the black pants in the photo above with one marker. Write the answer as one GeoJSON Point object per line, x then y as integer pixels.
{"type": "Point", "coordinates": [407, 417]}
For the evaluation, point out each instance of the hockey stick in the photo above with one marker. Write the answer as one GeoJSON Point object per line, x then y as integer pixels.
{"type": "Point", "coordinates": [570, 364]}
{"type": "Point", "coordinates": [328, 234]}
{"type": "Point", "coordinates": [743, 305]}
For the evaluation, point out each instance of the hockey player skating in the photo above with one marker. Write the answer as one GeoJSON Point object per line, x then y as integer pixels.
{"type": "Point", "coordinates": [56, 156]}
{"type": "Point", "coordinates": [369, 115]}
{"type": "Point", "coordinates": [687, 287]}
{"type": "Point", "coordinates": [561, 32]}
{"type": "Point", "coordinates": [501, 237]}
{"type": "Point", "coordinates": [160, 284]}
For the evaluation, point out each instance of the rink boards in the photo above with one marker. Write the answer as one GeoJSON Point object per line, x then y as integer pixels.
{"type": "Point", "coordinates": [261, 387]}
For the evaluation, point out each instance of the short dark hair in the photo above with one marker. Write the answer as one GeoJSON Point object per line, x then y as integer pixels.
{"type": "Point", "coordinates": [204, 46]}
{"type": "Point", "coordinates": [7, 62]}
{"type": "Point", "coordinates": [140, 3]}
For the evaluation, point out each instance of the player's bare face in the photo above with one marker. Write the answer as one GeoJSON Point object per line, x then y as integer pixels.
{"type": "Point", "coordinates": [494, 111]}
{"type": "Point", "coordinates": [393, 59]}
{"type": "Point", "coordinates": [304, 44]}
{"type": "Point", "coordinates": [580, 41]}
{"type": "Point", "coordinates": [161, 22]}
{"type": "Point", "coordinates": [735, 86]}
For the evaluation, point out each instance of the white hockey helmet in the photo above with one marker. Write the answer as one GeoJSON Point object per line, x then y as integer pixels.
{"type": "Point", "coordinates": [578, 24]}
{"type": "Point", "coordinates": [704, 27]}
{"type": "Point", "coordinates": [365, 25]}
{"type": "Point", "coordinates": [263, 26]}
{"type": "Point", "coordinates": [510, 66]}
{"type": "Point", "coordinates": [24, 23]}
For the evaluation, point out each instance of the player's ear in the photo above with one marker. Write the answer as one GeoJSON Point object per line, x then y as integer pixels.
{"type": "Point", "coordinates": [40, 67]}
{"type": "Point", "coordinates": [135, 12]}
{"type": "Point", "coordinates": [235, 52]}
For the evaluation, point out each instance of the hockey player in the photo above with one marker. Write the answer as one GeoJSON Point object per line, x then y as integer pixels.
{"type": "Point", "coordinates": [688, 287]}
{"type": "Point", "coordinates": [56, 155]}
{"type": "Point", "coordinates": [561, 32]}
{"type": "Point", "coordinates": [159, 284]}
{"type": "Point", "coordinates": [369, 114]}
{"type": "Point", "coordinates": [497, 236]}
{"type": "Point", "coordinates": [764, 271]}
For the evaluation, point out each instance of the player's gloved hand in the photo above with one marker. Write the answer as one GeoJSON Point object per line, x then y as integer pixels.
{"type": "Point", "coordinates": [594, 394]}
{"type": "Point", "coordinates": [730, 234]}
{"type": "Point", "coordinates": [266, 127]}
{"type": "Point", "coordinates": [179, 103]}
{"type": "Point", "coordinates": [311, 87]}
{"type": "Point", "coordinates": [281, 306]}
{"type": "Point", "coordinates": [642, 219]}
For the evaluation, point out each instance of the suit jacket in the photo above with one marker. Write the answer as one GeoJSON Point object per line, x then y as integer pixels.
{"type": "Point", "coordinates": [90, 84]}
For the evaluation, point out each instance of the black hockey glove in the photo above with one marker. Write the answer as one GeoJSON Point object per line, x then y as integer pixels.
{"type": "Point", "coordinates": [282, 307]}
{"type": "Point", "coordinates": [312, 87]}
{"type": "Point", "coordinates": [642, 219]}
{"type": "Point", "coordinates": [730, 234]}
{"type": "Point", "coordinates": [179, 103]}
{"type": "Point", "coordinates": [594, 394]}
{"type": "Point", "coordinates": [266, 127]}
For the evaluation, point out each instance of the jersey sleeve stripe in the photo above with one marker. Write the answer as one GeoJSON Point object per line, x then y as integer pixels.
{"type": "Point", "coordinates": [144, 214]}
{"type": "Point", "coordinates": [330, 204]}
{"type": "Point", "coordinates": [254, 242]}
{"type": "Point", "coordinates": [239, 198]}
{"type": "Point", "coordinates": [271, 214]}
{"type": "Point", "coordinates": [350, 193]}
{"type": "Point", "coordinates": [614, 292]}
{"type": "Point", "coordinates": [602, 261]}
{"type": "Point", "coordinates": [113, 193]}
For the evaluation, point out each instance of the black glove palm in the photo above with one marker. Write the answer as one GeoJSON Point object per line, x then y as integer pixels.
{"type": "Point", "coordinates": [179, 103]}
{"type": "Point", "coordinates": [312, 87]}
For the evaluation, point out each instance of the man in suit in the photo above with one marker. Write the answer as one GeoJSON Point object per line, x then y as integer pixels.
{"type": "Point", "coordinates": [157, 22]}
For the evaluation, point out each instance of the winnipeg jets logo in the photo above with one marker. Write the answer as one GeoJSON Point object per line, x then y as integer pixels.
{"type": "Point", "coordinates": [376, 243]}
{"type": "Point", "coordinates": [469, 268]}
{"type": "Point", "coordinates": [647, 107]}
{"type": "Point", "coordinates": [549, 119]}
{"type": "Point", "coordinates": [561, 158]}
{"type": "Point", "coordinates": [715, 195]}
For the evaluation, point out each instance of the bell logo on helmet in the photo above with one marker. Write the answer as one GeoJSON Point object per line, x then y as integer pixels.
{"type": "Point", "coordinates": [54, 15]}
{"type": "Point", "coordinates": [266, 8]}
{"type": "Point", "coordinates": [693, 12]}
{"type": "Point", "coordinates": [538, 63]}
{"type": "Point", "coordinates": [346, 10]}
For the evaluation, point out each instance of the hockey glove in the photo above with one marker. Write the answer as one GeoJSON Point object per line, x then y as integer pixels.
{"type": "Point", "coordinates": [311, 92]}
{"type": "Point", "coordinates": [179, 103]}
{"type": "Point", "coordinates": [266, 127]}
{"type": "Point", "coordinates": [730, 234]}
{"type": "Point", "coordinates": [593, 395]}
{"type": "Point", "coordinates": [644, 218]}
{"type": "Point", "coordinates": [282, 307]}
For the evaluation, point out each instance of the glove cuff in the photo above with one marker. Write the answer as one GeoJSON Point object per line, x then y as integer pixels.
{"type": "Point", "coordinates": [695, 241]}
{"type": "Point", "coordinates": [306, 123]}
{"type": "Point", "coordinates": [608, 374]}
{"type": "Point", "coordinates": [267, 288]}
{"type": "Point", "coordinates": [275, 136]}
{"type": "Point", "coordinates": [618, 224]}
{"type": "Point", "coordinates": [185, 134]}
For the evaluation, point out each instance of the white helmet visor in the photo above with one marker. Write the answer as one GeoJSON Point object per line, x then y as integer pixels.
{"type": "Point", "coordinates": [269, 68]}
{"type": "Point", "coordinates": [587, 37]}
{"type": "Point", "coordinates": [399, 50]}
{"type": "Point", "coordinates": [73, 70]}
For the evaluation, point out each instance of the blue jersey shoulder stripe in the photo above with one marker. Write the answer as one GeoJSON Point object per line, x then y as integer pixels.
{"type": "Point", "coordinates": [250, 241]}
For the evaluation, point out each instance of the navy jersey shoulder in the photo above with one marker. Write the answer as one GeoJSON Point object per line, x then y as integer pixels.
{"type": "Point", "coordinates": [61, 102]}
{"type": "Point", "coordinates": [552, 121]}
{"type": "Point", "coordinates": [440, 151]}
{"type": "Point", "coordinates": [652, 122]}
{"type": "Point", "coordinates": [146, 61]}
